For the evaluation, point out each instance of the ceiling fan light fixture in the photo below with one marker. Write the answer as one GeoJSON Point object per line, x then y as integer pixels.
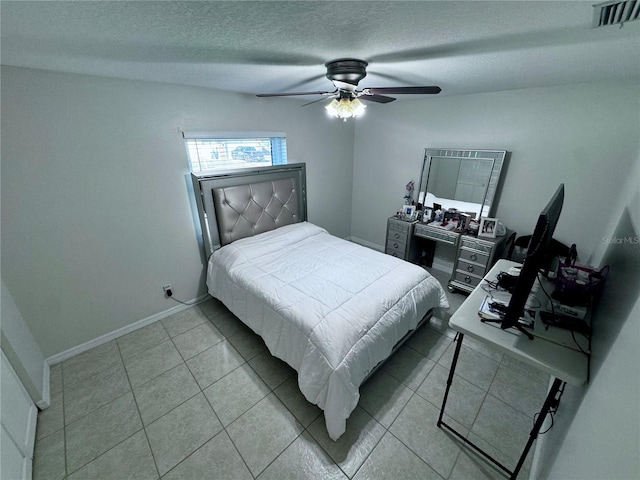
{"type": "Point", "coordinates": [358, 107]}
{"type": "Point", "coordinates": [332, 108]}
{"type": "Point", "coordinates": [345, 108]}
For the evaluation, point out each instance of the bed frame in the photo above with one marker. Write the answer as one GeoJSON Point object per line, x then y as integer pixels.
{"type": "Point", "coordinates": [234, 204]}
{"type": "Point", "coordinates": [242, 203]}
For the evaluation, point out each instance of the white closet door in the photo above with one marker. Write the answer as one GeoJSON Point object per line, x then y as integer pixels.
{"type": "Point", "coordinates": [18, 418]}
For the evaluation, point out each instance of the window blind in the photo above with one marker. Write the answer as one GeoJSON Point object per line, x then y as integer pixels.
{"type": "Point", "coordinates": [232, 150]}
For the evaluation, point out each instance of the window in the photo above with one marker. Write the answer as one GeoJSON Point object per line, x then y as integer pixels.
{"type": "Point", "coordinates": [228, 151]}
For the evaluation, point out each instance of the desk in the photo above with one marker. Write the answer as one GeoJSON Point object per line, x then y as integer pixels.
{"type": "Point", "coordinates": [562, 363]}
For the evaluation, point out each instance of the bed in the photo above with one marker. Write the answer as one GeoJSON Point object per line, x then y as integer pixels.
{"type": "Point", "coordinates": [332, 309]}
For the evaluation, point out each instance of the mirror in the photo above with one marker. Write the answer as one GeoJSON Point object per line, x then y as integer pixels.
{"type": "Point", "coordinates": [466, 180]}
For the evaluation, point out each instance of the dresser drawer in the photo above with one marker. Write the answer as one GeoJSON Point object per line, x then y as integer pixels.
{"type": "Point", "coordinates": [396, 236]}
{"type": "Point", "coordinates": [466, 279]}
{"type": "Point", "coordinates": [397, 245]}
{"type": "Point", "coordinates": [399, 226]}
{"type": "Point", "coordinates": [399, 242]}
{"type": "Point", "coordinates": [474, 256]}
{"type": "Point", "coordinates": [437, 234]}
{"type": "Point", "coordinates": [479, 245]}
{"type": "Point", "coordinates": [470, 267]}
{"type": "Point", "coordinates": [394, 252]}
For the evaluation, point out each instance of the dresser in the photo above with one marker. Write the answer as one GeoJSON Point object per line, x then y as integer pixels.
{"type": "Point", "coordinates": [400, 242]}
{"type": "Point", "coordinates": [476, 255]}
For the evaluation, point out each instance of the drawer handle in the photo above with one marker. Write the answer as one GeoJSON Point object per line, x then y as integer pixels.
{"type": "Point", "coordinates": [473, 256]}
{"type": "Point", "coordinates": [397, 235]}
{"type": "Point", "coordinates": [470, 268]}
{"type": "Point", "coordinates": [395, 245]}
{"type": "Point", "coordinates": [467, 279]}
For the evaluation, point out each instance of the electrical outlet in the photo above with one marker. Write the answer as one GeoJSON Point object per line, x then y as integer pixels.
{"type": "Point", "coordinates": [166, 287]}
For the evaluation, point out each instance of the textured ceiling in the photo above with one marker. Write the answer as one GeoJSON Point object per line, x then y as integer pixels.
{"type": "Point", "coordinates": [268, 46]}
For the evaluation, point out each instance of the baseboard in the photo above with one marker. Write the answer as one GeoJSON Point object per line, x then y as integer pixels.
{"type": "Point", "coordinates": [364, 243]}
{"type": "Point", "coordinates": [107, 337]}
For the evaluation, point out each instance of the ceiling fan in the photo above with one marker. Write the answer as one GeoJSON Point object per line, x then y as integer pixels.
{"type": "Point", "coordinates": [345, 74]}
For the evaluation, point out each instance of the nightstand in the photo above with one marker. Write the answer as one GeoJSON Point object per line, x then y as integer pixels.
{"type": "Point", "coordinates": [400, 242]}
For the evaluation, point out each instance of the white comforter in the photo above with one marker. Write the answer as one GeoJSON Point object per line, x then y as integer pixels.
{"type": "Point", "coordinates": [328, 307]}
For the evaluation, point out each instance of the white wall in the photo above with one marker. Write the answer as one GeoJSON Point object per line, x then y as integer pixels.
{"type": "Point", "coordinates": [583, 135]}
{"type": "Point", "coordinates": [597, 428]}
{"type": "Point", "coordinates": [96, 207]}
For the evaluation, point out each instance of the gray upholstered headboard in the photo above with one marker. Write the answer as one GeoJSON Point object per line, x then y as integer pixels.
{"type": "Point", "coordinates": [241, 203]}
{"type": "Point", "coordinates": [246, 210]}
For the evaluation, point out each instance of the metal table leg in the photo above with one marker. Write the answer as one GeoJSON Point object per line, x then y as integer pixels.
{"type": "Point", "coordinates": [550, 402]}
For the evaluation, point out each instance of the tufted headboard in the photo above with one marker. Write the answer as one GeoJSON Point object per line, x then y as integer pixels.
{"type": "Point", "coordinates": [246, 210]}
{"type": "Point", "coordinates": [240, 203]}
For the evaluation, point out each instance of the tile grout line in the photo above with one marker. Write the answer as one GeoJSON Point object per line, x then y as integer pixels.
{"type": "Point", "coordinates": [120, 442]}
{"type": "Point", "coordinates": [135, 400]}
{"type": "Point", "coordinates": [485, 393]}
{"type": "Point", "coordinates": [271, 391]}
{"type": "Point", "coordinates": [403, 443]}
{"type": "Point", "coordinates": [224, 428]}
{"type": "Point", "coordinates": [65, 388]}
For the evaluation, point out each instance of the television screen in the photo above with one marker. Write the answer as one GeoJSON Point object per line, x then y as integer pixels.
{"type": "Point", "coordinates": [536, 256]}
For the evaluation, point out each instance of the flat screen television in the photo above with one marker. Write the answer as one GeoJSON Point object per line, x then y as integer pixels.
{"type": "Point", "coordinates": [536, 259]}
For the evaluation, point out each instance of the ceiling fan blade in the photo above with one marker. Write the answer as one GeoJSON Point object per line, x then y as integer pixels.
{"type": "Point", "coordinates": [376, 98]}
{"type": "Point", "coordinates": [405, 90]}
{"type": "Point", "coordinates": [293, 94]}
{"type": "Point", "coordinates": [316, 101]}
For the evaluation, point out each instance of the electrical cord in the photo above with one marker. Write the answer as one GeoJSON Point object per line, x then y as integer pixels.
{"type": "Point", "coordinates": [551, 414]}
{"type": "Point", "coordinates": [546, 294]}
{"type": "Point", "coordinates": [191, 303]}
{"type": "Point", "coordinates": [169, 294]}
{"type": "Point", "coordinates": [490, 286]}
{"type": "Point", "coordinates": [573, 334]}
{"type": "Point", "coordinates": [552, 410]}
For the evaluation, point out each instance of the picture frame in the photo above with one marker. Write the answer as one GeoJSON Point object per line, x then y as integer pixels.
{"type": "Point", "coordinates": [488, 227]}
{"type": "Point", "coordinates": [465, 220]}
{"type": "Point", "coordinates": [408, 211]}
{"type": "Point", "coordinates": [427, 214]}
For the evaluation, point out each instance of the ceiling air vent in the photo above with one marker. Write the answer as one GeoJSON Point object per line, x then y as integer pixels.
{"type": "Point", "coordinates": [615, 12]}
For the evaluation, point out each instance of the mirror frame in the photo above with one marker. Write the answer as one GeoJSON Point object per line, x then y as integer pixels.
{"type": "Point", "coordinates": [498, 157]}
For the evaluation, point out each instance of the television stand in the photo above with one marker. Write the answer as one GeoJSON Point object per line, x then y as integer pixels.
{"type": "Point", "coordinates": [521, 329]}
{"type": "Point", "coordinates": [494, 312]}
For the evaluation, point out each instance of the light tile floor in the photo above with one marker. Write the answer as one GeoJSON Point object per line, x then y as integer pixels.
{"type": "Point", "coordinates": [198, 396]}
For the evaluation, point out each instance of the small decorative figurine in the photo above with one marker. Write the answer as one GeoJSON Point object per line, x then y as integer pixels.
{"type": "Point", "coordinates": [408, 196]}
